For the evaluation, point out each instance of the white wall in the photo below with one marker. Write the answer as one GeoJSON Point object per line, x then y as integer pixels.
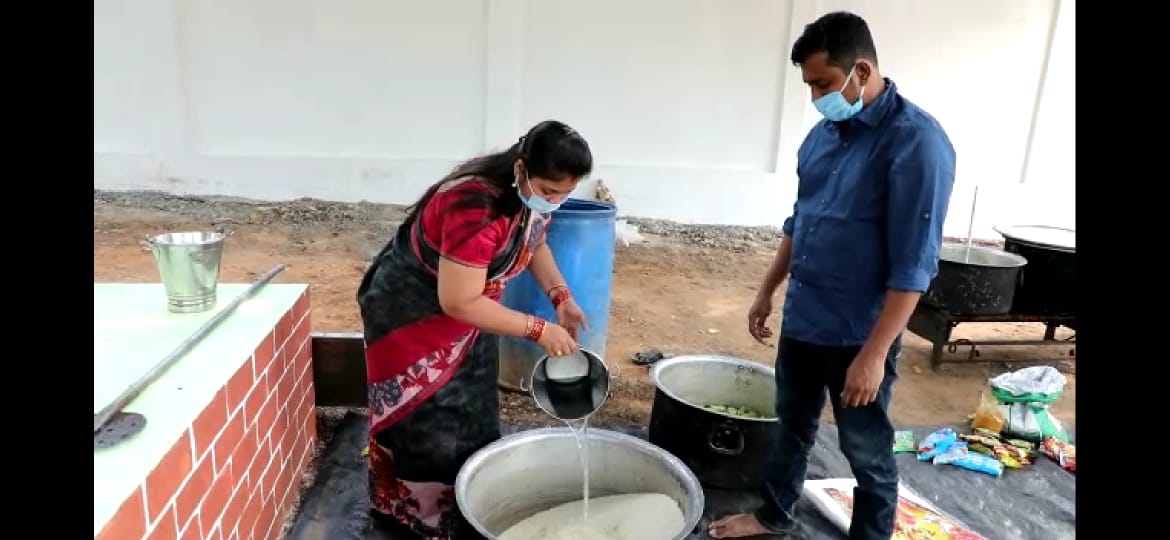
{"type": "Point", "coordinates": [691, 106]}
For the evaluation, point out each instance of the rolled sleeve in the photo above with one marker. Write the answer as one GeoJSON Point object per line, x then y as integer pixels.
{"type": "Point", "coordinates": [921, 177]}
{"type": "Point", "coordinates": [789, 224]}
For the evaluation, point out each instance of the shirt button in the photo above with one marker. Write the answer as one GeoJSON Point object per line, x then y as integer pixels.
{"type": "Point", "coordinates": [811, 229]}
{"type": "Point", "coordinates": [834, 171]}
{"type": "Point", "coordinates": [803, 257]}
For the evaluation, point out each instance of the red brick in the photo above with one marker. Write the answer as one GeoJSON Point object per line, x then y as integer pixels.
{"type": "Point", "coordinates": [215, 534]}
{"type": "Point", "coordinates": [187, 502]}
{"type": "Point", "coordinates": [283, 388]}
{"type": "Point", "coordinates": [264, 522]}
{"type": "Point", "coordinates": [304, 358]}
{"type": "Point", "coordinates": [239, 384]}
{"type": "Point", "coordinates": [166, 528]}
{"type": "Point", "coordinates": [301, 307]}
{"type": "Point", "coordinates": [129, 521]}
{"type": "Point", "coordinates": [259, 463]}
{"type": "Point", "coordinates": [302, 333]}
{"type": "Point", "coordinates": [228, 439]}
{"type": "Point", "coordinates": [248, 516]}
{"type": "Point", "coordinates": [216, 500]}
{"type": "Point", "coordinates": [262, 356]}
{"type": "Point", "coordinates": [209, 423]}
{"type": "Point", "coordinates": [287, 477]}
{"type": "Point", "coordinates": [268, 480]}
{"type": "Point", "coordinates": [168, 475]}
{"type": "Point", "coordinates": [192, 530]}
{"type": "Point", "coordinates": [266, 419]}
{"type": "Point", "coordinates": [284, 328]}
{"type": "Point", "coordinates": [242, 457]}
{"type": "Point", "coordinates": [234, 509]}
{"type": "Point", "coordinates": [311, 424]}
{"type": "Point", "coordinates": [288, 445]}
{"type": "Point", "coordinates": [255, 400]}
{"type": "Point", "coordinates": [311, 396]}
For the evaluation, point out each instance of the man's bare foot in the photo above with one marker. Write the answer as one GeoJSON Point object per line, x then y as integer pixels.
{"type": "Point", "coordinates": [736, 526]}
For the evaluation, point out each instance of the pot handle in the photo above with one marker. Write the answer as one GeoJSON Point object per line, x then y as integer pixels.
{"type": "Point", "coordinates": [723, 433]}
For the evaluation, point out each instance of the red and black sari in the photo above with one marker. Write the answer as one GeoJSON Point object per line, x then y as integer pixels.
{"type": "Point", "coordinates": [432, 378]}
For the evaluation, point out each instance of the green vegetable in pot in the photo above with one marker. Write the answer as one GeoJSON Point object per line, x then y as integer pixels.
{"type": "Point", "coordinates": [742, 412]}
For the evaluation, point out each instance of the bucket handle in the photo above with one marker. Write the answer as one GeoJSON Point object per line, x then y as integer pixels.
{"type": "Point", "coordinates": [720, 432]}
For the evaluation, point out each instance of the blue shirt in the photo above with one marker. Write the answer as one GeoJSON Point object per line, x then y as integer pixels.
{"type": "Point", "coordinates": [870, 205]}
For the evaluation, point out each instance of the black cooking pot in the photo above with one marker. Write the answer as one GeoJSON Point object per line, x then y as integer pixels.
{"type": "Point", "coordinates": [722, 450]}
{"type": "Point", "coordinates": [1049, 282]}
{"type": "Point", "coordinates": [975, 280]}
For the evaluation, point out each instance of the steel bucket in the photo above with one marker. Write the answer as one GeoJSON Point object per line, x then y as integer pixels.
{"type": "Point", "coordinates": [188, 263]}
{"type": "Point", "coordinates": [571, 387]}
{"type": "Point", "coordinates": [532, 471]}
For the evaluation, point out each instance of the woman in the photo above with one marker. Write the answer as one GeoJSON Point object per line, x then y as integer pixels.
{"type": "Point", "coordinates": [430, 310]}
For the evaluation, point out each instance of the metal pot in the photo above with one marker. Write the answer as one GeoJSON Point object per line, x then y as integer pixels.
{"type": "Point", "coordinates": [531, 471]}
{"type": "Point", "coordinates": [724, 451]}
{"type": "Point", "coordinates": [1049, 282]}
{"type": "Point", "coordinates": [974, 280]}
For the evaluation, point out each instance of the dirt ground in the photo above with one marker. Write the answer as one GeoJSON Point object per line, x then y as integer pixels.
{"type": "Point", "coordinates": [686, 289]}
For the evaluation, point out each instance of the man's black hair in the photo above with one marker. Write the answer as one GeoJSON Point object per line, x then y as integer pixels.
{"type": "Point", "coordinates": [843, 35]}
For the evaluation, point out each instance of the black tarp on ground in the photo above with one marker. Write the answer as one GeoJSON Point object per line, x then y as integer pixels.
{"type": "Point", "coordinates": [1037, 503]}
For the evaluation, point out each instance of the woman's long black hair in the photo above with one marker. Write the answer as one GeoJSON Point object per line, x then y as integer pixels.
{"type": "Point", "coordinates": [550, 150]}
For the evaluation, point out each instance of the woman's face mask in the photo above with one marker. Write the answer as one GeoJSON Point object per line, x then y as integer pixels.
{"type": "Point", "coordinates": [534, 201]}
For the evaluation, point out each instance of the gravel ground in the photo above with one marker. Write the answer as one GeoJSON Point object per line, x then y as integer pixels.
{"type": "Point", "coordinates": [225, 211]}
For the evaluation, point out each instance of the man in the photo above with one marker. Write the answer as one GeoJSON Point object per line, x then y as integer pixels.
{"type": "Point", "coordinates": [862, 245]}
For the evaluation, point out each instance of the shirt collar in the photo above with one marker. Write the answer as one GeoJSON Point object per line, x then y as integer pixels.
{"type": "Point", "coordinates": [877, 109]}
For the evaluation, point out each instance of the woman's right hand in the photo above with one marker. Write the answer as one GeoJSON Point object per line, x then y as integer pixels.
{"type": "Point", "coordinates": [557, 341]}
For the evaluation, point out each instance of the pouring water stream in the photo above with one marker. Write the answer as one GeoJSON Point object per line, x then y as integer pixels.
{"type": "Point", "coordinates": [570, 401]}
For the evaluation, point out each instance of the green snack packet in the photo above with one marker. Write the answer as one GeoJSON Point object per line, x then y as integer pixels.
{"type": "Point", "coordinates": [904, 441]}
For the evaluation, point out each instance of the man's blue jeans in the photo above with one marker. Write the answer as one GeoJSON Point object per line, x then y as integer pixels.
{"type": "Point", "coordinates": [803, 372]}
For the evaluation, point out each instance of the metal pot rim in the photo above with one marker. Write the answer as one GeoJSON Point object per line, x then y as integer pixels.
{"type": "Point", "coordinates": [690, 482]}
{"type": "Point", "coordinates": [662, 365]}
{"type": "Point", "coordinates": [1005, 231]}
{"type": "Point", "coordinates": [1009, 259]}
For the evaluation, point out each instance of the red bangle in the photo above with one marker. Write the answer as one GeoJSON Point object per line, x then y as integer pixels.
{"type": "Point", "coordinates": [535, 328]}
{"type": "Point", "coordinates": [558, 295]}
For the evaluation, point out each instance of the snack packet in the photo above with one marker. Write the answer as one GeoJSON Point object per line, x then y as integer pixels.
{"type": "Point", "coordinates": [904, 441]}
{"type": "Point", "coordinates": [1010, 455]}
{"type": "Point", "coordinates": [936, 443]}
{"type": "Point", "coordinates": [1065, 454]}
{"type": "Point", "coordinates": [959, 456]}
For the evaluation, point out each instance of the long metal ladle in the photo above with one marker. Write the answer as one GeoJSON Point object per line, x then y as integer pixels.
{"type": "Point", "coordinates": [111, 425]}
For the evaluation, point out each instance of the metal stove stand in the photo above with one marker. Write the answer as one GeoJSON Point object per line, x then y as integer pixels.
{"type": "Point", "coordinates": [935, 325]}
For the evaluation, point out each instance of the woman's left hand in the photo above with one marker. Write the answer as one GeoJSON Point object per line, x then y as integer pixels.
{"type": "Point", "coordinates": [570, 316]}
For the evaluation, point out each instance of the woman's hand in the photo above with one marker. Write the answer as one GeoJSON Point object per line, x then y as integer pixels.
{"type": "Point", "coordinates": [556, 341]}
{"type": "Point", "coordinates": [570, 316]}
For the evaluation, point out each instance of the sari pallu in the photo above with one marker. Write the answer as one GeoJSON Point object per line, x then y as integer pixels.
{"type": "Point", "coordinates": [431, 379]}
